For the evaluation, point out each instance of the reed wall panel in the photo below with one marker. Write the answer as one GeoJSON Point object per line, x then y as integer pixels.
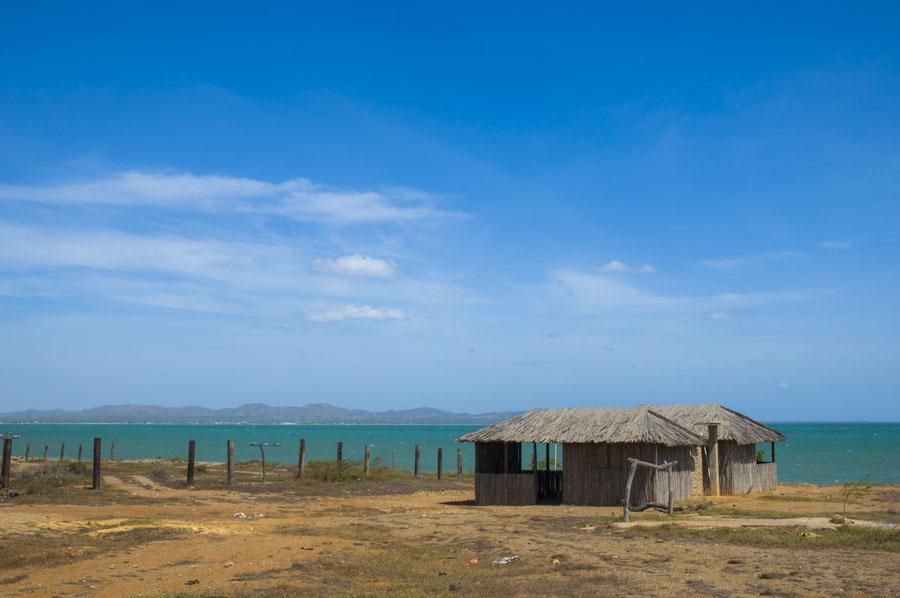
{"type": "Point", "coordinates": [505, 489]}
{"type": "Point", "coordinates": [739, 473]}
{"type": "Point", "coordinates": [595, 474]}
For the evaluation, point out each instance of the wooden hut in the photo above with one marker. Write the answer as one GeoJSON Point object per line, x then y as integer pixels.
{"type": "Point", "coordinates": [596, 443]}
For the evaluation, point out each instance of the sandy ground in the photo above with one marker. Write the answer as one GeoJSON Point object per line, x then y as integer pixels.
{"type": "Point", "coordinates": [227, 543]}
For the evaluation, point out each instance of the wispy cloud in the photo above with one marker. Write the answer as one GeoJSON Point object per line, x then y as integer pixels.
{"type": "Point", "coordinates": [749, 260]}
{"type": "Point", "coordinates": [358, 312]}
{"type": "Point", "coordinates": [622, 267]}
{"type": "Point", "coordinates": [355, 265]}
{"type": "Point", "coordinates": [594, 291]}
{"type": "Point", "coordinates": [296, 199]}
{"type": "Point", "coordinates": [836, 245]}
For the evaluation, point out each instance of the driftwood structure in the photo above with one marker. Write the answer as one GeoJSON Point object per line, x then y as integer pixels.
{"type": "Point", "coordinates": [711, 449]}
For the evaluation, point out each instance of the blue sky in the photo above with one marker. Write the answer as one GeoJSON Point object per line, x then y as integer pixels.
{"type": "Point", "coordinates": [468, 207]}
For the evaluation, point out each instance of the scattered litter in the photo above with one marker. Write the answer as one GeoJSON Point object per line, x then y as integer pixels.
{"type": "Point", "coordinates": [192, 582]}
{"type": "Point", "coordinates": [588, 528]}
{"type": "Point", "coordinates": [555, 561]}
{"type": "Point", "coordinates": [506, 560]}
{"type": "Point", "coordinates": [473, 562]}
{"type": "Point", "coordinates": [228, 564]}
{"type": "Point", "coordinates": [809, 534]}
{"type": "Point", "coordinates": [239, 515]}
{"type": "Point", "coordinates": [888, 525]}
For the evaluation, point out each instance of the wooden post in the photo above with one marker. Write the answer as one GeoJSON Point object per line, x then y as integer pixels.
{"type": "Point", "coordinates": [7, 463]}
{"type": "Point", "coordinates": [547, 464]}
{"type": "Point", "coordinates": [62, 452]}
{"type": "Point", "coordinates": [28, 451]}
{"type": "Point", "coordinates": [367, 454]}
{"type": "Point", "coordinates": [416, 465]}
{"type": "Point", "coordinates": [773, 451]}
{"type": "Point", "coordinates": [340, 459]}
{"type": "Point", "coordinates": [440, 462]}
{"type": "Point", "coordinates": [192, 448]}
{"type": "Point", "coordinates": [80, 452]}
{"type": "Point", "coordinates": [534, 458]}
{"type": "Point", "coordinates": [458, 463]}
{"type": "Point", "coordinates": [671, 488]}
{"type": "Point", "coordinates": [631, 469]}
{"type": "Point", "coordinates": [713, 458]}
{"type": "Point", "coordinates": [229, 455]}
{"type": "Point", "coordinates": [95, 480]}
{"type": "Point", "coordinates": [112, 450]}
{"type": "Point", "coordinates": [45, 451]}
{"type": "Point", "coordinates": [393, 459]}
{"type": "Point", "coordinates": [301, 460]}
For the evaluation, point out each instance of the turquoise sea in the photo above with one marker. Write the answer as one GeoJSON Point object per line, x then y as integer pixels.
{"type": "Point", "coordinates": [813, 452]}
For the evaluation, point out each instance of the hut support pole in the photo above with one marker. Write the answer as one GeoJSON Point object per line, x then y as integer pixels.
{"type": "Point", "coordinates": [773, 452]}
{"type": "Point", "coordinates": [713, 459]}
{"type": "Point", "coordinates": [547, 464]}
{"type": "Point", "coordinates": [671, 484]}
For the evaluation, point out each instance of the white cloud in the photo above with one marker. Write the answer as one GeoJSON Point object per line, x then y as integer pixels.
{"type": "Point", "coordinates": [355, 265]}
{"type": "Point", "coordinates": [358, 312]}
{"type": "Point", "coordinates": [836, 245]}
{"type": "Point", "coordinates": [296, 199]}
{"type": "Point", "coordinates": [749, 260]}
{"type": "Point", "coordinates": [617, 266]}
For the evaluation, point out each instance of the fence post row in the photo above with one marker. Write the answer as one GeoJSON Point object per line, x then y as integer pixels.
{"type": "Point", "coordinates": [95, 480]}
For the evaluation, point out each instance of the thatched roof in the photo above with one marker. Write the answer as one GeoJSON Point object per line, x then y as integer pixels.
{"type": "Point", "coordinates": [670, 425]}
{"type": "Point", "coordinates": [588, 424]}
{"type": "Point", "coordinates": [734, 426]}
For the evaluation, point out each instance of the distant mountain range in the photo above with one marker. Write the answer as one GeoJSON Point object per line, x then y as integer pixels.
{"type": "Point", "coordinates": [314, 413]}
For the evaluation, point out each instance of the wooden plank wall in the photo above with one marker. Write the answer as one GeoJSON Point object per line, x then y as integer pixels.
{"type": "Point", "coordinates": [505, 489]}
{"type": "Point", "coordinates": [594, 474]}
